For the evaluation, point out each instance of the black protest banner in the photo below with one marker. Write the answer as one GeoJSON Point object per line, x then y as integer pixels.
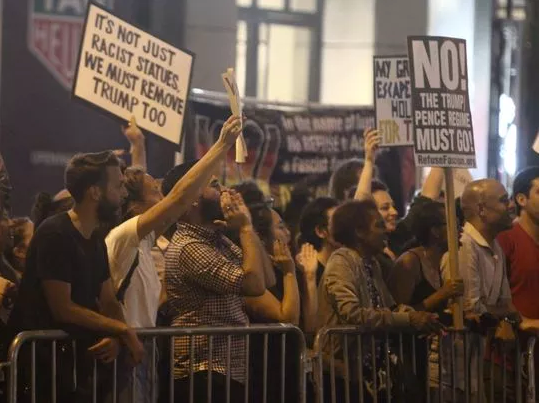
{"type": "Point", "coordinates": [286, 148]}
{"type": "Point", "coordinates": [442, 123]}
{"type": "Point", "coordinates": [127, 72]}
{"type": "Point", "coordinates": [392, 92]}
{"type": "Point", "coordinates": [318, 141]}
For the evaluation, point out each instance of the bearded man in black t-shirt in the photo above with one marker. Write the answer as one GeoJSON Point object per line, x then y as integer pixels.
{"type": "Point", "coordinates": [66, 284]}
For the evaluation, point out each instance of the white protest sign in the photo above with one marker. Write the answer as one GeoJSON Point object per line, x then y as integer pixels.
{"type": "Point", "coordinates": [392, 91]}
{"type": "Point", "coordinates": [229, 81]}
{"type": "Point", "coordinates": [462, 177]}
{"type": "Point", "coordinates": [127, 72]}
{"type": "Point", "coordinates": [442, 123]}
{"type": "Point", "coordinates": [535, 146]}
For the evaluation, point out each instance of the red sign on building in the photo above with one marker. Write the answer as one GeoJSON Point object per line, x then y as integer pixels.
{"type": "Point", "coordinates": [54, 34]}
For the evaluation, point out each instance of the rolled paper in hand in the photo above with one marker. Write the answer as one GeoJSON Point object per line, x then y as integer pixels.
{"type": "Point", "coordinates": [241, 149]}
{"type": "Point", "coordinates": [229, 81]}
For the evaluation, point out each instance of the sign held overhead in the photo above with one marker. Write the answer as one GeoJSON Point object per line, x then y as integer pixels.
{"type": "Point", "coordinates": [229, 81]}
{"type": "Point", "coordinates": [441, 114]}
{"type": "Point", "coordinates": [127, 72]}
{"type": "Point", "coordinates": [392, 90]}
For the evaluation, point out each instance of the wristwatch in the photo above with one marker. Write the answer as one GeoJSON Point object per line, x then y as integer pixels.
{"type": "Point", "coordinates": [512, 320]}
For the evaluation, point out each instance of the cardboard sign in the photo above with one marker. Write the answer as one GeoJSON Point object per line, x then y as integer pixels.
{"type": "Point", "coordinates": [535, 145]}
{"type": "Point", "coordinates": [229, 81]}
{"type": "Point", "coordinates": [392, 91]}
{"type": "Point", "coordinates": [127, 72]}
{"type": "Point", "coordinates": [442, 123]}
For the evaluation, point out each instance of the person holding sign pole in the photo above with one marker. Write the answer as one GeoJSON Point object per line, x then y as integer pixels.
{"type": "Point", "coordinates": [147, 215]}
{"type": "Point", "coordinates": [415, 280]}
{"type": "Point", "coordinates": [482, 265]}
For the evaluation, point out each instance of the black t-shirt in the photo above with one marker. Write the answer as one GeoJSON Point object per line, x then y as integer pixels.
{"type": "Point", "coordinates": [58, 251]}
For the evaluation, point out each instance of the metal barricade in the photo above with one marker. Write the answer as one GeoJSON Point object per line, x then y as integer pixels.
{"type": "Point", "coordinates": [353, 365]}
{"type": "Point", "coordinates": [531, 366]}
{"type": "Point", "coordinates": [274, 381]}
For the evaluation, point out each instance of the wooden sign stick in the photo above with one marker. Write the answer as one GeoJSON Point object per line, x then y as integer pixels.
{"type": "Point", "coordinates": [452, 232]}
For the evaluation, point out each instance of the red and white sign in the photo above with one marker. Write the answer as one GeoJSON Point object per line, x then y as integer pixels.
{"type": "Point", "coordinates": [54, 34]}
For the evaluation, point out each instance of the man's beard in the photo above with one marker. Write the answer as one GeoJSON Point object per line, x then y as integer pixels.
{"type": "Point", "coordinates": [107, 212]}
{"type": "Point", "coordinates": [211, 210]}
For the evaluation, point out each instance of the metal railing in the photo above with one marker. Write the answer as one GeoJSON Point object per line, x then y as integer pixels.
{"type": "Point", "coordinates": [209, 335]}
{"type": "Point", "coordinates": [353, 365]}
{"type": "Point", "coordinates": [530, 370]}
{"type": "Point", "coordinates": [350, 365]}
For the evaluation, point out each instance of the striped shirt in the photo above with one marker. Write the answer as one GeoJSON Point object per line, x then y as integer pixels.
{"type": "Point", "coordinates": [203, 276]}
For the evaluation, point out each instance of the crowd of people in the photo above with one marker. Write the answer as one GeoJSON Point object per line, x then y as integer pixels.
{"type": "Point", "coordinates": [118, 250]}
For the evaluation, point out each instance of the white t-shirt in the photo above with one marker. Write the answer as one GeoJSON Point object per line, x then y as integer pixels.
{"type": "Point", "coordinates": [141, 300]}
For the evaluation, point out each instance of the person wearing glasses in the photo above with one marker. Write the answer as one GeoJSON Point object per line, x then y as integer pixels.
{"type": "Point", "coordinates": [281, 302]}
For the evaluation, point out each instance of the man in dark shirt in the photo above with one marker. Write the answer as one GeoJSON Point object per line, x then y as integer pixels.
{"type": "Point", "coordinates": [67, 285]}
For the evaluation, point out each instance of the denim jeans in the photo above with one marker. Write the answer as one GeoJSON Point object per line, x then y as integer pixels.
{"type": "Point", "coordinates": [139, 380]}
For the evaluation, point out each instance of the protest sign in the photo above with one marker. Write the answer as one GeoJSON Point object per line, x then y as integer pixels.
{"type": "Point", "coordinates": [392, 91]}
{"type": "Point", "coordinates": [127, 72]}
{"type": "Point", "coordinates": [229, 81]}
{"type": "Point", "coordinates": [442, 123]}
